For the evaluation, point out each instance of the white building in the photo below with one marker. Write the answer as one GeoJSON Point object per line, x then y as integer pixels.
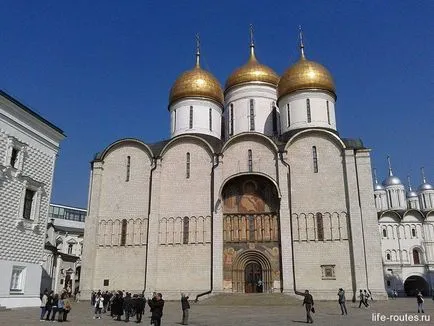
{"type": "Point", "coordinates": [28, 150]}
{"type": "Point", "coordinates": [255, 183]}
{"type": "Point", "coordinates": [406, 226]}
{"type": "Point", "coordinates": [63, 249]}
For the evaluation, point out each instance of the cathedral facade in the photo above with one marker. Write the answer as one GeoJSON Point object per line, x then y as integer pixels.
{"type": "Point", "coordinates": [255, 191]}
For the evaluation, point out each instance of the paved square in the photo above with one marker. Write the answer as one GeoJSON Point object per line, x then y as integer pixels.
{"type": "Point", "coordinates": [327, 313]}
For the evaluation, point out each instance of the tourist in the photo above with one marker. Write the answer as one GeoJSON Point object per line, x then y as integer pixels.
{"type": "Point", "coordinates": [362, 299]}
{"type": "Point", "coordinates": [341, 300]}
{"type": "Point", "coordinates": [117, 306]}
{"type": "Point", "coordinates": [419, 299]}
{"type": "Point", "coordinates": [140, 303]}
{"type": "Point", "coordinates": [77, 297]}
{"type": "Point", "coordinates": [127, 306]}
{"type": "Point", "coordinates": [60, 308]}
{"type": "Point", "coordinates": [308, 304]}
{"type": "Point", "coordinates": [54, 308]}
{"type": "Point", "coordinates": [44, 299]}
{"type": "Point", "coordinates": [370, 295]}
{"type": "Point", "coordinates": [185, 305]}
{"type": "Point", "coordinates": [156, 304]}
{"type": "Point", "coordinates": [49, 305]}
{"type": "Point", "coordinates": [66, 306]}
{"type": "Point", "coordinates": [99, 304]}
{"type": "Point", "coordinates": [367, 296]}
{"type": "Point", "coordinates": [92, 299]}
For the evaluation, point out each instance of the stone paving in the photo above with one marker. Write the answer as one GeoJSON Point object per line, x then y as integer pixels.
{"type": "Point", "coordinates": [327, 313]}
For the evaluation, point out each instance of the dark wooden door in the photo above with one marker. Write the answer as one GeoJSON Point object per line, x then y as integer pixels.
{"type": "Point", "coordinates": [253, 278]}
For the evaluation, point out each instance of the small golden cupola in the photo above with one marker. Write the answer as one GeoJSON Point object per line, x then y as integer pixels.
{"type": "Point", "coordinates": [252, 71]}
{"type": "Point", "coordinates": [305, 75]}
{"type": "Point", "coordinates": [196, 83]}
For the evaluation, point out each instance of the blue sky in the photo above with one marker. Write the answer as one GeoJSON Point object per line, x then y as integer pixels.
{"type": "Point", "coordinates": [102, 70]}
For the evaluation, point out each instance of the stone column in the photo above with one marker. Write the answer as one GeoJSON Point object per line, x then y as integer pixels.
{"type": "Point", "coordinates": [57, 274]}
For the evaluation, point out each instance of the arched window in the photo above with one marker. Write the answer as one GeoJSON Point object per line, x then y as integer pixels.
{"type": "Point", "coordinates": [384, 233]}
{"type": "Point", "coordinates": [320, 226]}
{"type": "Point", "coordinates": [252, 115]}
{"type": "Point", "coordinates": [128, 168]}
{"type": "Point", "coordinates": [187, 166]}
{"type": "Point", "coordinates": [274, 113]}
{"type": "Point", "coordinates": [124, 232]}
{"type": "Point", "coordinates": [388, 256]}
{"type": "Point", "coordinates": [315, 159]}
{"type": "Point", "coordinates": [309, 116]}
{"type": "Point", "coordinates": [413, 232]}
{"type": "Point", "coordinates": [416, 257]}
{"type": "Point", "coordinates": [249, 153]}
{"type": "Point", "coordinates": [388, 283]}
{"type": "Point", "coordinates": [191, 118]}
{"type": "Point", "coordinates": [186, 228]}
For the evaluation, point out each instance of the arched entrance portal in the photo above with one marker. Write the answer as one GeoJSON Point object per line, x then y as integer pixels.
{"type": "Point", "coordinates": [253, 278]}
{"type": "Point", "coordinates": [251, 235]}
{"type": "Point", "coordinates": [415, 283]}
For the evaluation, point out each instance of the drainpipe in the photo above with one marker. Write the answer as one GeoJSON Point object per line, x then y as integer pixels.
{"type": "Point", "coordinates": [147, 229]}
{"type": "Point", "coordinates": [290, 218]}
{"type": "Point", "coordinates": [212, 228]}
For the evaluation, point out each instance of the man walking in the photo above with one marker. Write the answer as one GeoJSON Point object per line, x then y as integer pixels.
{"type": "Point", "coordinates": [419, 299]}
{"type": "Point", "coordinates": [341, 300]}
{"type": "Point", "coordinates": [362, 299]}
{"type": "Point", "coordinates": [156, 304]}
{"type": "Point", "coordinates": [308, 304]}
{"type": "Point", "coordinates": [140, 307]}
{"type": "Point", "coordinates": [185, 305]}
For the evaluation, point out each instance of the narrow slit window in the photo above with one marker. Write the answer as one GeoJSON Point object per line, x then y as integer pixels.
{"type": "Point", "coordinates": [187, 173]}
{"type": "Point", "coordinates": [128, 168]}
{"type": "Point", "coordinates": [28, 203]}
{"type": "Point", "coordinates": [14, 157]}
{"type": "Point", "coordinates": [124, 232]}
{"type": "Point", "coordinates": [210, 119]}
{"type": "Point", "coordinates": [174, 121]}
{"type": "Point", "coordinates": [250, 160]}
{"type": "Point", "coordinates": [384, 233]}
{"type": "Point", "coordinates": [328, 112]}
{"type": "Point", "coordinates": [274, 119]}
{"type": "Point", "coordinates": [320, 226]}
{"type": "Point", "coordinates": [288, 114]}
{"type": "Point", "coordinates": [252, 115]}
{"type": "Point", "coordinates": [186, 230]}
{"type": "Point", "coordinates": [191, 118]}
{"type": "Point", "coordinates": [231, 122]}
{"type": "Point", "coordinates": [309, 116]}
{"type": "Point", "coordinates": [315, 159]}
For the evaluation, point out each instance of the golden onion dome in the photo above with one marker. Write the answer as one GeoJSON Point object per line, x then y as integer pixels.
{"type": "Point", "coordinates": [305, 74]}
{"type": "Point", "coordinates": [196, 83]}
{"type": "Point", "coordinates": [252, 71]}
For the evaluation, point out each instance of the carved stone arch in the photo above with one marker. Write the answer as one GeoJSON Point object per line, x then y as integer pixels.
{"type": "Point", "coordinates": [311, 231]}
{"type": "Point", "coordinates": [394, 256]}
{"type": "Point", "coordinates": [242, 260]}
{"type": "Point", "coordinates": [388, 255]}
{"type": "Point", "coordinates": [108, 233]}
{"type": "Point", "coordinates": [129, 241]}
{"type": "Point", "coordinates": [343, 221]}
{"type": "Point", "coordinates": [137, 230]}
{"type": "Point", "coordinates": [332, 226]}
{"type": "Point", "coordinates": [163, 230]}
{"type": "Point", "coordinates": [116, 235]}
{"type": "Point", "coordinates": [404, 255]}
{"type": "Point", "coordinates": [303, 227]}
{"type": "Point", "coordinates": [200, 227]}
{"type": "Point", "coordinates": [170, 230]}
{"type": "Point", "coordinates": [207, 229]}
{"type": "Point", "coordinates": [101, 232]}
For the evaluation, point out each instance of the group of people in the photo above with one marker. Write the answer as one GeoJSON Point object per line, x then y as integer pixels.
{"type": "Point", "coordinates": [52, 304]}
{"type": "Point", "coordinates": [123, 303]}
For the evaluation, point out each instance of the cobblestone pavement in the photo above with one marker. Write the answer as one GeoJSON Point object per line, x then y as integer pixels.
{"type": "Point", "coordinates": [327, 313]}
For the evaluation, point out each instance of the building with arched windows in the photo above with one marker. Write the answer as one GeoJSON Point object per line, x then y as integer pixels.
{"type": "Point", "coordinates": [406, 225]}
{"type": "Point", "coordinates": [255, 191]}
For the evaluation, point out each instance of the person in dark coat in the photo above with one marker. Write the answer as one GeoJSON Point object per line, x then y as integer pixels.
{"type": "Point", "coordinates": [140, 303]}
{"type": "Point", "coordinates": [308, 304]}
{"type": "Point", "coordinates": [156, 304]}
{"type": "Point", "coordinates": [127, 306]}
{"type": "Point", "coordinates": [117, 306]}
{"type": "Point", "coordinates": [185, 305]}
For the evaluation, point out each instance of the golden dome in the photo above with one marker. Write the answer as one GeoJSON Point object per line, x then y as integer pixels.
{"type": "Point", "coordinates": [196, 83]}
{"type": "Point", "coordinates": [305, 74]}
{"type": "Point", "coordinates": [252, 71]}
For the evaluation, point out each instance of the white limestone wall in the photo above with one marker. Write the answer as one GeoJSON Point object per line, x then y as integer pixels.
{"type": "Point", "coordinates": [426, 199]}
{"type": "Point", "coordinates": [322, 192]}
{"type": "Point", "coordinates": [236, 160]}
{"type": "Point", "coordinates": [22, 241]}
{"type": "Point", "coordinates": [180, 117]}
{"type": "Point", "coordinates": [380, 200]}
{"type": "Point", "coordinates": [396, 197]}
{"type": "Point", "coordinates": [239, 97]}
{"type": "Point", "coordinates": [113, 199]}
{"type": "Point", "coordinates": [295, 103]}
{"type": "Point", "coordinates": [183, 266]}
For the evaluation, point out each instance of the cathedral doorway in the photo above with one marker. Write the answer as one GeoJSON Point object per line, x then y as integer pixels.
{"type": "Point", "coordinates": [253, 278]}
{"type": "Point", "coordinates": [414, 284]}
{"type": "Point", "coordinates": [251, 235]}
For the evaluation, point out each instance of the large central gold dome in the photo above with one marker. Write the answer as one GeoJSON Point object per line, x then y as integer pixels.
{"type": "Point", "coordinates": [252, 71]}
{"type": "Point", "coordinates": [196, 83]}
{"type": "Point", "coordinates": [305, 74]}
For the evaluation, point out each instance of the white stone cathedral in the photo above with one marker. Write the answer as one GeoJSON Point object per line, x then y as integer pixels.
{"type": "Point", "coordinates": [255, 191]}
